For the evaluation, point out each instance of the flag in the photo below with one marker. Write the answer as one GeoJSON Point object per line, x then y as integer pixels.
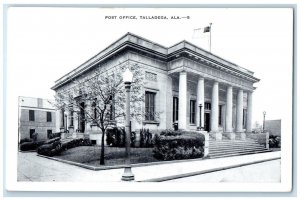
{"type": "Point", "coordinates": [206, 29]}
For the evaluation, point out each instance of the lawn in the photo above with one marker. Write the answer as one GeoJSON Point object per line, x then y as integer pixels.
{"type": "Point", "coordinates": [90, 155]}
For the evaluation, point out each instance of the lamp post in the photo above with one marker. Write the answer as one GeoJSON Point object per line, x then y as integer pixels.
{"type": "Point", "coordinates": [127, 79]}
{"type": "Point", "coordinates": [264, 113]}
{"type": "Point", "coordinates": [200, 123]}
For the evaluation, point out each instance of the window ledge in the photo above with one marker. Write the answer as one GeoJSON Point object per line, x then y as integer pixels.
{"type": "Point", "coordinates": [151, 122]}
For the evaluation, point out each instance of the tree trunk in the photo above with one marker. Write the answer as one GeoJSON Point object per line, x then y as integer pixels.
{"type": "Point", "coordinates": [102, 148]}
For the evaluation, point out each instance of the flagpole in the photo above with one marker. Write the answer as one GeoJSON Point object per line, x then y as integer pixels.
{"type": "Point", "coordinates": [210, 36]}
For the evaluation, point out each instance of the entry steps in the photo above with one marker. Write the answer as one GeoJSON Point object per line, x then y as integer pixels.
{"type": "Point", "coordinates": [224, 148]}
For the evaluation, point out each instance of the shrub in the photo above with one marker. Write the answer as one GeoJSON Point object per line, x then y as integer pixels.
{"type": "Point", "coordinates": [26, 146]}
{"type": "Point", "coordinates": [133, 139]}
{"type": "Point", "coordinates": [54, 146]}
{"type": "Point", "coordinates": [25, 140]}
{"type": "Point", "coordinates": [176, 145]}
{"type": "Point", "coordinates": [115, 137]}
{"type": "Point", "coordinates": [76, 142]}
{"type": "Point", "coordinates": [171, 132]}
{"type": "Point", "coordinates": [274, 141]}
{"type": "Point", "coordinates": [50, 149]}
{"type": "Point", "coordinates": [146, 138]}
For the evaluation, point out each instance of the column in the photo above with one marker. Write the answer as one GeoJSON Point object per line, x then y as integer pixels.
{"type": "Point", "coordinates": [169, 100]}
{"type": "Point", "coordinates": [200, 100]}
{"type": "Point", "coordinates": [249, 112]}
{"type": "Point", "coordinates": [215, 108]}
{"type": "Point", "coordinates": [182, 100]}
{"type": "Point", "coordinates": [239, 112]}
{"type": "Point", "coordinates": [228, 115]}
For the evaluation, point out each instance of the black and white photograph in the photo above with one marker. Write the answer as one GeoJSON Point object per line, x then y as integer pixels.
{"type": "Point", "coordinates": [149, 99]}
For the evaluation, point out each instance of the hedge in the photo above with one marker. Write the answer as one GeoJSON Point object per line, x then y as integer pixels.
{"type": "Point", "coordinates": [176, 145]}
{"type": "Point", "coordinates": [28, 146]}
{"type": "Point", "coordinates": [54, 146]}
{"type": "Point", "coordinates": [50, 149]}
{"type": "Point", "coordinates": [76, 142]}
{"type": "Point", "coordinates": [274, 141]}
{"type": "Point", "coordinates": [146, 138]}
{"type": "Point", "coordinates": [25, 140]}
{"type": "Point", "coordinates": [115, 137]}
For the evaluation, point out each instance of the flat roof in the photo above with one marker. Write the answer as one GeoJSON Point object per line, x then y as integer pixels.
{"type": "Point", "coordinates": [148, 44]}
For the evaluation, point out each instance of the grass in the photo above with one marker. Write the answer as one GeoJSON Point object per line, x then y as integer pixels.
{"type": "Point", "coordinates": [90, 155]}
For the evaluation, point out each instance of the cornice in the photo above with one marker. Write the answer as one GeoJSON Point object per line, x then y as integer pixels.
{"type": "Point", "coordinates": [144, 46]}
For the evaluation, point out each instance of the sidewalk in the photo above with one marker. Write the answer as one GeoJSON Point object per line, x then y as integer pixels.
{"type": "Point", "coordinates": [34, 168]}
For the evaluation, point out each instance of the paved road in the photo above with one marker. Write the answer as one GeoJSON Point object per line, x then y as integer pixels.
{"type": "Point", "coordinates": [261, 172]}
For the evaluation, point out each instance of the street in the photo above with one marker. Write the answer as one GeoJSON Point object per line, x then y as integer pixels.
{"type": "Point", "coordinates": [261, 172]}
{"type": "Point", "coordinates": [264, 167]}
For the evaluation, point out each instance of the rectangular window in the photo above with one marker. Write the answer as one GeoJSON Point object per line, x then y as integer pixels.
{"type": "Point", "coordinates": [175, 109]}
{"type": "Point", "coordinates": [49, 132]}
{"type": "Point", "coordinates": [207, 106]}
{"type": "Point", "coordinates": [150, 106]}
{"type": "Point", "coordinates": [192, 111]}
{"type": "Point", "coordinates": [94, 106]}
{"type": "Point", "coordinates": [220, 115]}
{"type": "Point", "coordinates": [31, 115]}
{"type": "Point", "coordinates": [31, 131]}
{"type": "Point", "coordinates": [49, 117]}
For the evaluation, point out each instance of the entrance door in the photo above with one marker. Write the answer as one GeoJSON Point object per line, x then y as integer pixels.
{"type": "Point", "coordinates": [207, 122]}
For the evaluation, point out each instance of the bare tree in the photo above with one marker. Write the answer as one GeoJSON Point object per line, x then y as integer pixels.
{"type": "Point", "coordinates": [104, 93]}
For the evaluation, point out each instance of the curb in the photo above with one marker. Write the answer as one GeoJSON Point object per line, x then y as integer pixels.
{"type": "Point", "coordinates": [29, 151]}
{"type": "Point", "coordinates": [119, 166]}
{"type": "Point", "coordinates": [172, 177]}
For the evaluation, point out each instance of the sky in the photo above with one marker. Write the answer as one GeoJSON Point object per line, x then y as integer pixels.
{"type": "Point", "coordinates": [44, 43]}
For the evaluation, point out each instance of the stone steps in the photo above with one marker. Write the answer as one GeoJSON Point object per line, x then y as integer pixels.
{"type": "Point", "coordinates": [224, 148]}
{"type": "Point", "coordinates": [212, 148]}
{"type": "Point", "coordinates": [237, 153]}
{"type": "Point", "coordinates": [234, 145]}
{"type": "Point", "coordinates": [237, 150]}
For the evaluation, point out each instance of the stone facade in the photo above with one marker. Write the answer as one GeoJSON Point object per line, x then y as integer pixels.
{"type": "Point", "coordinates": [181, 77]}
{"type": "Point", "coordinates": [36, 115]}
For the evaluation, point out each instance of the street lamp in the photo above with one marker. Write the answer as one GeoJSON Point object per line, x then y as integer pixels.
{"type": "Point", "coordinates": [200, 123]}
{"type": "Point", "coordinates": [127, 79]}
{"type": "Point", "coordinates": [264, 113]}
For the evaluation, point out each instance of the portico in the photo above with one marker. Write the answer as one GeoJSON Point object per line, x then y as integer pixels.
{"type": "Point", "coordinates": [229, 114]}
